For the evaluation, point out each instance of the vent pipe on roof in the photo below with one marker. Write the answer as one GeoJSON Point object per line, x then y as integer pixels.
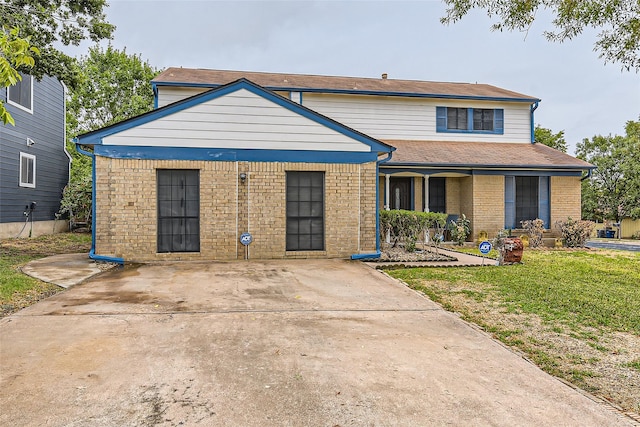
{"type": "Point", "coordinates": [384, 76]}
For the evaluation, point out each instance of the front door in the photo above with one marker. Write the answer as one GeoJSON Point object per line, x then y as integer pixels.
{"type": "Point", "coordinates": [400, 193]}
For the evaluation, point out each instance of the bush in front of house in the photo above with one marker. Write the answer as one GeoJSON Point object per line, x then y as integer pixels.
{"type": "Point", "coordinates": [408, 226]}
{"type": "Point", "coordinates": [575, 232]}
{"type": "Point", "coordinates": [460, 229]}
{"type": "Point", "coordinates": [76, 201]}
{"type": "Point", "coordinates": [534, 229]}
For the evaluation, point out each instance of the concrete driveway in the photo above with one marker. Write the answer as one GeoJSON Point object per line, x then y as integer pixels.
{"type": "Point", "coordinates": [279, 343]}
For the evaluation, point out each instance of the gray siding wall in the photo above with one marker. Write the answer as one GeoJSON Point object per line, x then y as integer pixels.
{"type": "Point", "coordinates": [46, 127]}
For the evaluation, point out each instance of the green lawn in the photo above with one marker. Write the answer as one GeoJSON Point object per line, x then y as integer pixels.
{"type": "Point", "coordinates": [575, 313]}
{"type": "Point", "coordinates": [18, 290]}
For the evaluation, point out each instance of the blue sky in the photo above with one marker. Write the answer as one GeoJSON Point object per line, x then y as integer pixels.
{"type": "Point", "coordinates": [580, 94]}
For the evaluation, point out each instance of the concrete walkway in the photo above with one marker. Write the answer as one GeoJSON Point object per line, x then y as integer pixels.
{"type": "Point", "coordinates": [463, 260]}
{"type": "Point", "coordinates": [64, 270]}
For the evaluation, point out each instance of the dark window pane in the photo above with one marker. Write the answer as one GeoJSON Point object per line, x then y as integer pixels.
{"type": "Point", "coordinates": [178, 195]}
{"type": "Point", "coordinates": [437, 195]}
{"type": "Point", "coordinates": [305, 211]}
{"type": "Point", "coordinates": [526, 198]}
{"type": "Point", "coordinates": [482, 119]}
{"type": "Point", "coordinates": [457, 118]}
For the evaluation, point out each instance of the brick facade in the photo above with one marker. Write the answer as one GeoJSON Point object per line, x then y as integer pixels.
{"type": "Point", "coordinates": [126, 211]}
{"type": "Point", "coordinates": [565, 198]}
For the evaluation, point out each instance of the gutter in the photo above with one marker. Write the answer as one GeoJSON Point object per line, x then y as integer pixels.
{"type": "Point", "coordinates": [588, 175]}
{"type": "Point", "coordinates": [376, 254]}
{"type": "Point", "coordinates": [92, 252]}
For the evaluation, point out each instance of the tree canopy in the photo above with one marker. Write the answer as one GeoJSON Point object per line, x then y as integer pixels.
{"type": "Point", "coordinates": [547, 137]}
{"type": "Point", "coordinates": [47, 23]}
{"type": "Point", "coordinates": [617, 20]}
{"type": "Point", "coordinates": [112, 86]}
{"type": "Point", "coordinates": [15, 52]}
{"type": "Point", "coordinates": [613, 192]}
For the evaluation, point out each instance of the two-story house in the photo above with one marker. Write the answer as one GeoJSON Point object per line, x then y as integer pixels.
{"type": "Point", "coordinates": [303, 163]}
{"type": "Point", "coordinates": [34, 163]}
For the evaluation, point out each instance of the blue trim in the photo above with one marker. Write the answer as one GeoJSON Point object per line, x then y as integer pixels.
{"type": "Point", "coordinates": [360, 92]}
{"type": "Point", "coordinates": [532, 109]}
{"type": "Point", "coordinates": [92, 252]}
{"type": "Point", "coordinates": [95, 137]}
{"type": "Point", "coordinates": [154, 88]}
{"type": "Point", "coordinates": [428, 168]}
{"type": "Point", "coordinates": [498, 121]}
{"type": "Point", "coordinates": [527, 172]}
{"type": "Point", "coordinates": [391, 171]}
{"type": "Point", "coordinates": [225, 154]}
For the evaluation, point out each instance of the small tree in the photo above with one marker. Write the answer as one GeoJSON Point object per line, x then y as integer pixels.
{"type": "Point", "coordinates": [460, 229]}
{"type": "Point", "coordinates": [76, 201]}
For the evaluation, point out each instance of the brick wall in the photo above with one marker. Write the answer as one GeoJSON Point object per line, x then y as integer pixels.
{"type": "Point", "coordinates": [452, 195]}
{"type": "Point", "coordinates": [127, 213]}
{"type": "Point", "coordinates": [488, 204]}
{"type": "Point", "coordinates": [565, 198]}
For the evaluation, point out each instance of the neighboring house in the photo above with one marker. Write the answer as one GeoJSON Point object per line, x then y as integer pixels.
{"type": "Point", "coordinates": [34, 163]}
{"type": "Point", "coordinates": [304, 163]}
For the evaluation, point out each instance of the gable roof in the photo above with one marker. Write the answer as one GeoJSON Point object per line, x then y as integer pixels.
{"type": "Point", "coordinates": [190, 77]}
{"type": "Point", "coordinates": [95, 137]}
{"type": "Point", "coordinates": [482, 155]}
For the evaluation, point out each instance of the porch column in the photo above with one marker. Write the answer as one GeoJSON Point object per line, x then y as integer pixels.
{"type": "Point", "coordinates": [387, 200]}
{"type": "Point", "coordinates": [426, 193]}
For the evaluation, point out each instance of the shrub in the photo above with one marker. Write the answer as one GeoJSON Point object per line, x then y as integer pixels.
{"type": "Point", "coordinates": [408, 226]}
{"type": "Point", "coordinates": [636, 235]}
{"type": "Point", "coordinates": [534, 229]}
{"type": "Point", "coordinates": [76, 201]}
{"type": "Point", "coordinates": [575, 232]}
{"type": "Point", "coordinates": [460, 229]}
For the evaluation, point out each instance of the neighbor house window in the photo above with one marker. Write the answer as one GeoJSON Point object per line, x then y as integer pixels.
{"type": "Point", "coordinates": [437, 195]}
{"type": "Point", "coordinates": [21, 94]}
{"type": "Point", "coordinates": [27, 170]}
{"type": "Point", "coordinates": [470, 120]}
{"type": "Point", "coordinates": [305, 211]}
{"type": "Point", "coordinates": [178, 193]}
{"type": "Point", "coordinates": [526, 198]}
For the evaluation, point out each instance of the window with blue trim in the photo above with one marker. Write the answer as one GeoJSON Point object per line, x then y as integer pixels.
{"type": "Point", "coordinates": [470, 120]}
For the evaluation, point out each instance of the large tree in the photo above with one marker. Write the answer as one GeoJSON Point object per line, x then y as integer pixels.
{"type": "Point", "coordinates": [50, 23]}
{"type": "Point", "coordinates": [112, 86]}
{"type": "Point", "coordinates": [613, 192]}
{"type": "Point", "coordinates": [617, 20]}
{"type": "Point", "coordinates": [15, 52]}
{"type": "Point", "coordinates": [547, 137]}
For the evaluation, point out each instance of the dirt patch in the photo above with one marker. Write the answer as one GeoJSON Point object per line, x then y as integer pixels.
{"type": "Point", "coordinates": [599, 361]}
{"type": "Point", "coordinates": [399, 254]}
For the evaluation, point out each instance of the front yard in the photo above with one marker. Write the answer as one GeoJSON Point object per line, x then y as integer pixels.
{"type": "Point", "coordinates": [17, 290]}
{"type": "Point", "coordinates": [575, 313]}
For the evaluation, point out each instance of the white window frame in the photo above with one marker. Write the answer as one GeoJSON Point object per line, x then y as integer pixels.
{"type": "Point", "coordinates": [18, 105]}
{"type": "Point", "coordinates": [23, 181]}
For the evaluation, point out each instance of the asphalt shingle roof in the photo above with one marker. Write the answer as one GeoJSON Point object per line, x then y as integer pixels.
{"type": "Point", "coordinates": [481, 154]}
{"type": "Point", "coordinates": [274, 81]}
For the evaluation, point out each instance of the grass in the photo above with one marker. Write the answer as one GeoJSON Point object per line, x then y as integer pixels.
{"type": "Point", "coordinates": [576, 288]}
{"type": "Point", "coordinates": [573, 312]}
{"type": "Point", "coordinates": [18, 290]}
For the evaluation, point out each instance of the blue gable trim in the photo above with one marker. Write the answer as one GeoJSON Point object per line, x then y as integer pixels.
{"type": "Point", "coordinates": [362, 92]}
{"type": "Point", "coordinates": [95, 137]}
{"type": "Point", "coordinates": [224, 154]}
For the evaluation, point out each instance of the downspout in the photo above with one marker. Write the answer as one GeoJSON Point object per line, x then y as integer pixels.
{"type": "Point", "coordinates": [154, 88]}
{"type": "Point", "coordinates": [533, 108]}
{"type": "Point", "coordinates": [92, 252]}
{"type": "Point", "coordinates": [376, 254]}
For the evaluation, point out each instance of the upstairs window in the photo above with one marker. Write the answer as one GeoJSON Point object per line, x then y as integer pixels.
{"type": "Point", "coordinates": [21, 94]}
{"type": "Point", "coordinates": [457, 118]}
{"type": "Point", "coordinates": [470, 120]}
{"type": "Point", "coordinates": [27, 170]}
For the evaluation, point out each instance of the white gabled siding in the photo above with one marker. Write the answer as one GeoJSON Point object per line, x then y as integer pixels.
{"type": "Point", "coordinates": [170, 94]}
{"type": "Point", "coordinates": [239, 120]}
{"type": "Point", "coordinates": [413, 118]}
